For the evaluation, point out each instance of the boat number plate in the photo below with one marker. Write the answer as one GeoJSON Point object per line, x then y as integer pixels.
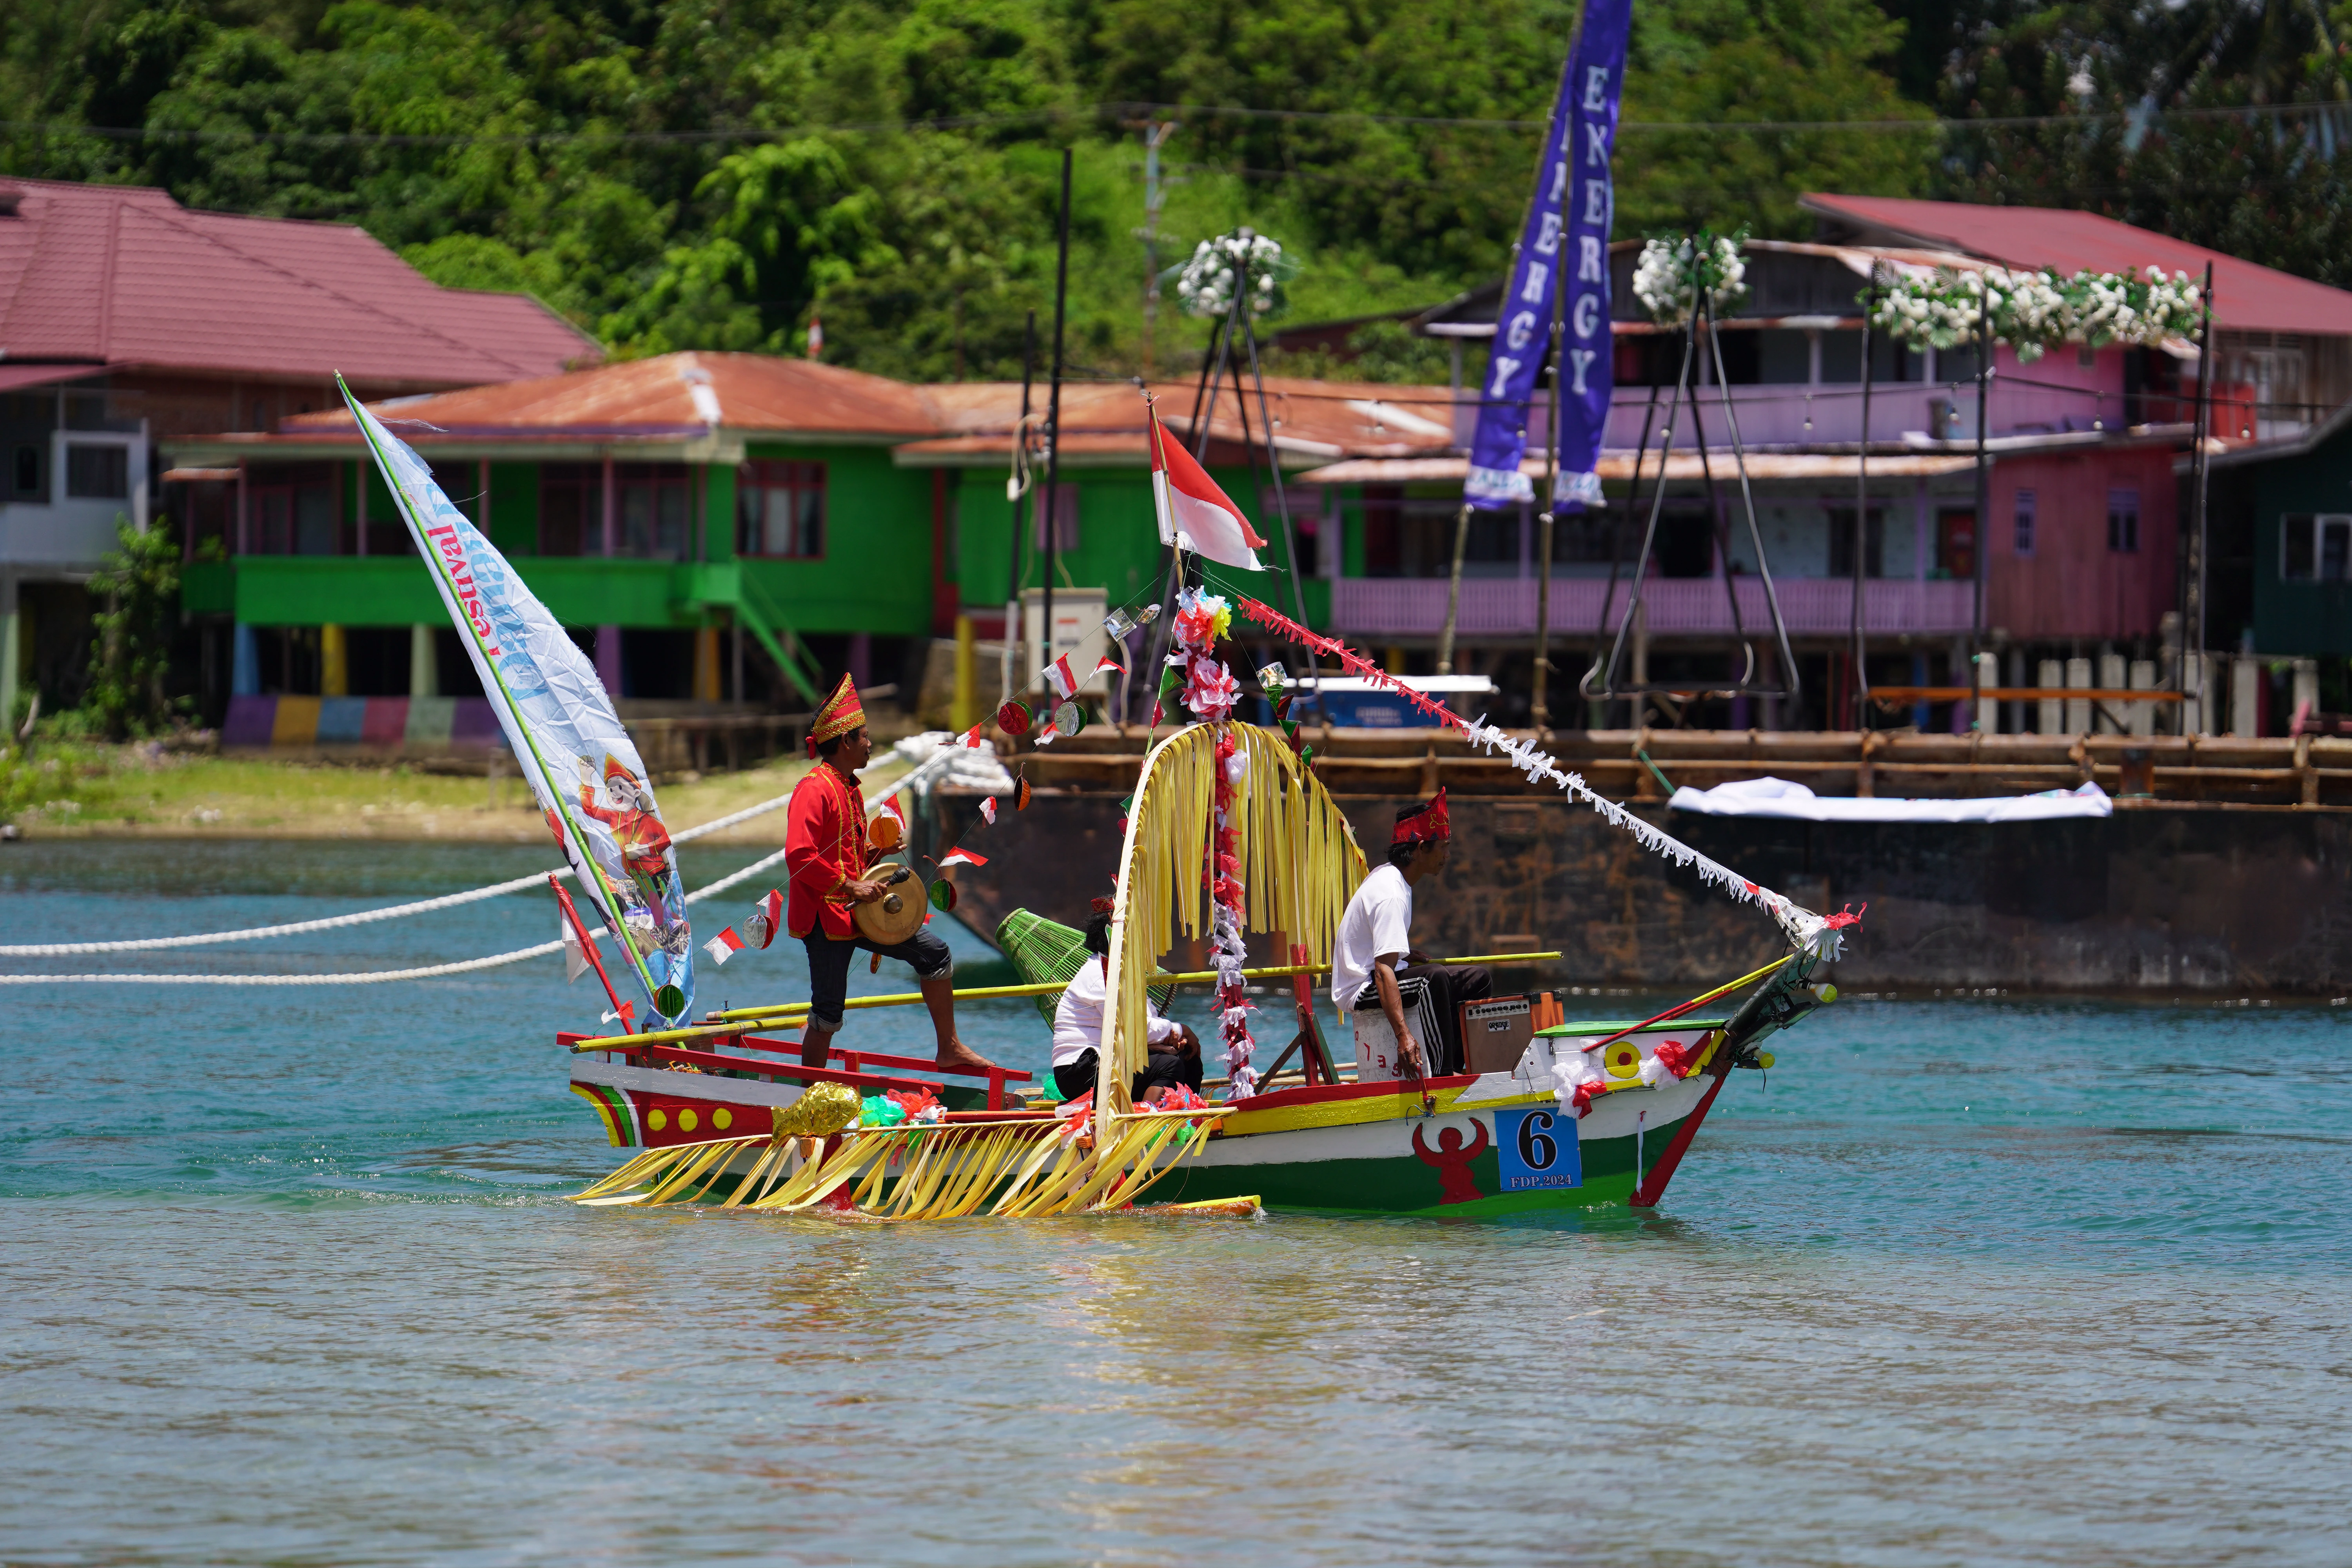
{"type": "Point", "coordinates": [1537, 1149]}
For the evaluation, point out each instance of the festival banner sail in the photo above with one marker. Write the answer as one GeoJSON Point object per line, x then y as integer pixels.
{"type": "Point", "coordinates": [588, 778]}
{"type": "Point", "coordinates": [1568, 226]}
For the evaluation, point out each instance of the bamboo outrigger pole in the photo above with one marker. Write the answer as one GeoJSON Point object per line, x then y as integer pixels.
{"type": "Point", "coordinates": [740, 1019]}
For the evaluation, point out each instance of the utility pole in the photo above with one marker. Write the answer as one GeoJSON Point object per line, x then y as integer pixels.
{"type": "Point", "coordinates": [1155, 134]}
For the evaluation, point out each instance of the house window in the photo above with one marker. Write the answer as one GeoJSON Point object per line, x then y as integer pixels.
{"type": "Point", "coordinates": [779, 510]}
{"type": "Point", "coordinates": [2123, 521]}
{"type": "Point", "coordinates": [99, 473]}
{"type": "Point", "coordinates": [571, 509]}
{"type": "Point", "coordinates": [1874, 542]}
{"type": "Point", "coordinates": [653, 506]}
{"type": "Point", "coordinates": [1066, 519]}
{"type": "Point", "coordinates": [2316, 549]}
{"type": "Point", "coordinates": [2023, 522]}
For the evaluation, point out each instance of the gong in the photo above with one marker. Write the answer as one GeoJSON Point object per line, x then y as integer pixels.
{"type": "Point", "coordinates": [899, 912]}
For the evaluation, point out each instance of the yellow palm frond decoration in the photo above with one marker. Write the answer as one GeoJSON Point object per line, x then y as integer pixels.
{"type": "Point", "coordinates": [1299, 860]}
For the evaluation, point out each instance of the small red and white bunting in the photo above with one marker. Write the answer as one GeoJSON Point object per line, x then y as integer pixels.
{"type": "Point", "coordinates": [767, 919]}
{"type": "Point", "coordinates": [723, 946]}
{"type": "Point", "coordinates": [988, 810]}
{"type": "Point", "coordinates": [962, 858]}
{"type": "Point", "coordinates": [1059, 676]}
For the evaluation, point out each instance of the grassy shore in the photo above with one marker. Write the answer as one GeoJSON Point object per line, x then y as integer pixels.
{"type": "Point", "coordinates": [81, 791]}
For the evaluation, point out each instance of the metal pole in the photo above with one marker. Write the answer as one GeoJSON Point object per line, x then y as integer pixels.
{"type": "Point", "coordinates": [1862, 505]}
{"type": "Point", "coordinates": [1453, 590]}
{"type": "Point", "coordinates": [1984, 515]}
{"type": "Point", "coordinates": [1054, 416]}
{"type": "Point", "coordinates": [1281, 494]}
{"type": "Point", "coordinates": [1012, 627]}
{"type": "Point", "coordinates": [2200, 542]}
{"type": "Point", "coordinates": [1539, 708]}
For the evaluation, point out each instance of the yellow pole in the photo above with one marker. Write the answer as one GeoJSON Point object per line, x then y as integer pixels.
{"type": "Point", "coordinates": [334, 663]}
{"type": "Point", "coordinates": [960, 716]}
{"type": "Point", "coordinates": [740, 1019]}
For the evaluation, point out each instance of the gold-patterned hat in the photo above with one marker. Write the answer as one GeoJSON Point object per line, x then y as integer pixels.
{"type": "Point", "coordinates": [839, 714]}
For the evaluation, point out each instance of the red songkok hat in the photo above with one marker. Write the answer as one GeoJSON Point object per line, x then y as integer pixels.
{"type": "Point", "coordinates": [838, 715]}
{"type": "Point", "coordinates": [1420, 824]}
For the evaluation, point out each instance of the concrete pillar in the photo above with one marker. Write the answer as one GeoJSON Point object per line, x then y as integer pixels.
{"type": "Point", "coordinates": [2052, 717]}
{"type": "Point", "coordinates": [2245, 694]}
{"type": "Point", "coordinates": [423, 666]}
{"type": "Point", "coordinates": [706, 664]}
{"type": "Point", "coordinates": [608, 660]}
{"type": "Point", "coordinates": [2304, 702]}
{"type": "Point", "coordinates": [2143, 714]}
{"type": "Point", "coordinates": [244, 663]}
{"type": "Point", "coordinates": [334, 662]}
{"type": "Point", "coordinates": [2078, 713]}
{"type": "Point", "coordinates": [2111, 677]}
{"type": "Point", "coordinates": [1988, 677]}
{"type": "Point", "coordinates": [11, 669]}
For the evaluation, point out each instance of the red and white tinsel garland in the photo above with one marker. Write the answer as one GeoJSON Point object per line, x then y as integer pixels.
{"type": "Point", "coordinates": [1210, 691]}
{"type": "Point", "coordinates": [1817, 934]}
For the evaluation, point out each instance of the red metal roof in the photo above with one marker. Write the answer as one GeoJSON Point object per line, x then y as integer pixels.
{"type": "Point", "coordinates": [2246, 298]}
{"type": "Point", "coordinates": [123, 275]}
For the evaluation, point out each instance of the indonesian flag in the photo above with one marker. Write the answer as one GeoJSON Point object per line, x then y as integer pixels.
{"type": "Point", "coordinates": [1194, 514]}
{"type": "Point", "coordinates": [723, 946]}
{"type": "Point", "coordinates": [1109, 666]}
{"type": "Point", "coordinates": [1059, 676]}
{"type": "Point", "coordinates": [962, 858]}
{"type": "Point", "coordinates": [972, 737]}
{"type": "Point", "coordinates": [987, 809]}
{"type": "Point", "coordinates": [767, 918]}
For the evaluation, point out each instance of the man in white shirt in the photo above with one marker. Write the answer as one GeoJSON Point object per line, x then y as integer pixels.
{"type": "Point", "coordinates": [1374, 949]}
{"type": "Point", "coordinates": [1175, 1050]}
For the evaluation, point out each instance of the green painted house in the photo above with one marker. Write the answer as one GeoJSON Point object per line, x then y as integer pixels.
{"type": "Point", "coordinates": [2282, 513]}
{"type": "Point", "coordinates": [718, 528]}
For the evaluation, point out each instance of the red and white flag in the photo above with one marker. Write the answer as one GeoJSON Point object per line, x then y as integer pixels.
{"type": "Point", "coordinates": [1059, 676]}
{"type": "Point", "coordinates": [1194, 514]}
{"type": "Point", "coordinates": [723, 946]}
{"type": "Point", "coordinates": [972, 737]}
{"type": "Point", "coordinates": [1109, 666]}
{"type": "Point", "coordinates": [987, 809]}
{"type": "Point", "coordinates": [962, 858]}
{"type": "Point", "coordinates": [767, 918]}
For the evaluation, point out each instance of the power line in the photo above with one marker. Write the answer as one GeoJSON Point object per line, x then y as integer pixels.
{"type": "Point", "coordinates": [1898, 124]}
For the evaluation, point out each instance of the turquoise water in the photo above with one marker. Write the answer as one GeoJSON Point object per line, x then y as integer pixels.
{"type": "Point", "coordinates": [286, 1276]}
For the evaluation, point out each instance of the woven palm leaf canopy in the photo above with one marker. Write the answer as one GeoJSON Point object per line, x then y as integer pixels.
{"type": "Point", "coordinates": [1299, 862]}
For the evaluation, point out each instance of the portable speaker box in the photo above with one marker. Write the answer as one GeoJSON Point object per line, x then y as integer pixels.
{"type": "Point", "coordinates": [1494, 1032]}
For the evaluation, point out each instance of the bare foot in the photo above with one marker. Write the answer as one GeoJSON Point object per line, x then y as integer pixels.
{"type": "Point", "coordinates": [956, 1054]}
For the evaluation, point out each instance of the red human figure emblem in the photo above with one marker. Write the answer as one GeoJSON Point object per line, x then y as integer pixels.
{"type": "Point", "coordinates": [1451, 1161]}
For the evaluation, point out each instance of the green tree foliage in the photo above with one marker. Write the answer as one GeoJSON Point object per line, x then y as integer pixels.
{"type": "Point", "coordinates": [138, 587]}
{"type": "Point", "coordinates": [709, 173]}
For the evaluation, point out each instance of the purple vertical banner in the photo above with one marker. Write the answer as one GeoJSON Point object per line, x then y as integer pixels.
{"type": "Point", "coordinates": [1573, 203]}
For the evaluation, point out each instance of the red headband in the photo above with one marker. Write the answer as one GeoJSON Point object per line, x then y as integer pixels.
{"type": "Point", "coordinates": [1422, 824]}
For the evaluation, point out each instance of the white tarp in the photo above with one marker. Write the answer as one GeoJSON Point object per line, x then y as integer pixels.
{"type": "Point", "coordinates": [1784, 798]}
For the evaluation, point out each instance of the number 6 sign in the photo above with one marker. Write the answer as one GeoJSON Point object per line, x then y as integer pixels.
{"type": "Point", "coordinates": [1537, 1150]}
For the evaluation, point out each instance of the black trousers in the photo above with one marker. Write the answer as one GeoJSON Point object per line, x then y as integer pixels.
{"type": "Point", "coordinates": [1450, 985]}
{"type": "Point", "coordinates": [1164, 1067]}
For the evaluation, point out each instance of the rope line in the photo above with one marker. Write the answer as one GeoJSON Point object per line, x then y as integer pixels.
{"type": "Point", "coordinates": [397, 912]}
{"type": "Point", "coordinates": [918, 776]}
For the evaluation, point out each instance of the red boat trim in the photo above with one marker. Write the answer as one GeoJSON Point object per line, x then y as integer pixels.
{"type": "Point", "coordinates": [1321, 1094]}
{"type": "Point", "coordinates": [1648, 1190]}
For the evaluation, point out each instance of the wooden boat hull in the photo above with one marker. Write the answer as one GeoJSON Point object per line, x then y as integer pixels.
{"type": "Point", "coordinates": [1466, 1149]}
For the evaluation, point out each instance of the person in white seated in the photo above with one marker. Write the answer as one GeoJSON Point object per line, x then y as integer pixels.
{"type": "Point", "coordinates": [1374, 947]}
{"type": "Point", "coordinates": [1175, 1050]}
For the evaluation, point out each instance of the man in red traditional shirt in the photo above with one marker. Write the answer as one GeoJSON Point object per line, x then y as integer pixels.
{"type": "Point", "coordinates": [825, 851]}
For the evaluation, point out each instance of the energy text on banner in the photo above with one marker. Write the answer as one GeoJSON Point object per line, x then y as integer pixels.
{"type": "Point", "coordinates": [1587, 371]}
